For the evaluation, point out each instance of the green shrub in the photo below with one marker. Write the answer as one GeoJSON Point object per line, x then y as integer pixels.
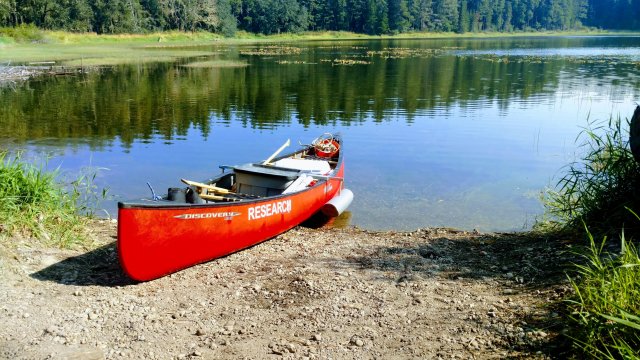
{"type": "Point", "coordinates": [22, 33]}
{"type": "Point", "coordinates": [605, 309]}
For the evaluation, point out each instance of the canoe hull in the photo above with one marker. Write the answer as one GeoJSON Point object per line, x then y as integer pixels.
{"type": "Point", "coordinates": [154, 241]}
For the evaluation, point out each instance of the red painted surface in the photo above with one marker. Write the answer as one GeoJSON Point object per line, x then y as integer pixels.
{"type": "Point", "coordinates": [153, 242]}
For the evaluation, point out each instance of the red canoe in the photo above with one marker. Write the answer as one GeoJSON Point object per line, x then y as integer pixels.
{"type": "Point", "coordinates": [240, 208]}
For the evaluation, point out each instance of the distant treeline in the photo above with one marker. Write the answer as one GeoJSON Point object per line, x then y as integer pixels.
{"type": "Point", "coordinates": [360, 16]}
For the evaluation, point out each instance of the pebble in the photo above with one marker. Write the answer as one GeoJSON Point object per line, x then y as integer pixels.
{"type": "Point", "coordinates": [316, 337]}
{"type": "Point", "coordinates": [229, 326]}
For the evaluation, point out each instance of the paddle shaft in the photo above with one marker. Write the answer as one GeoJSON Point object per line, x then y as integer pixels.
{"type": "Point", "coordinates": [266, 162]}
{"type": "Point", "coordinates": [206, 186]}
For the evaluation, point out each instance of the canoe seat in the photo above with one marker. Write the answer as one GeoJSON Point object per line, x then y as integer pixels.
{"type": "Point", "coordinates": [263, 180]}
{"type": "Point", "coordinates": [321, 167]}
{"type": "Point", "coordinates": [284, 176]}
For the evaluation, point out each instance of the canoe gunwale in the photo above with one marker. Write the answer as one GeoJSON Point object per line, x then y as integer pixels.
{"type": "Point", "coordinates": [164, 204]}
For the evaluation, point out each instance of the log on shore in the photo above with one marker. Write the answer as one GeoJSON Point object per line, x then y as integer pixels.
{"type": "Point", "coordinates": [18, 73]}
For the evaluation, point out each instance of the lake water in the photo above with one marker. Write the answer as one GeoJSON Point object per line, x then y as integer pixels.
{"type": "Point", "coordinates": [463, 133]}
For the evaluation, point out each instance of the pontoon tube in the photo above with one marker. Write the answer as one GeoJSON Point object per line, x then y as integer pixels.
{"type": "Point", "coordinates": [338, 204]}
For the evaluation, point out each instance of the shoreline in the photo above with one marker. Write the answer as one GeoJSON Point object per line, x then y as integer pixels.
{"type": "Point", "coordinates": [341, 293]}
{"type": "Point", "coordinates": [65, 53]}
{"type": "Point", "coordinates": [64, 46]}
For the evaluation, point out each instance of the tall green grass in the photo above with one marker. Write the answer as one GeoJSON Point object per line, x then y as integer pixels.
{"type": "Point", "coordinates": [22, 33]}
{"type": "Point", "coordinates": [34, 204]}
{"type": "Point", "coordinates": [598, 189]}
{"type": "Point", "coordinates": [605, 307]}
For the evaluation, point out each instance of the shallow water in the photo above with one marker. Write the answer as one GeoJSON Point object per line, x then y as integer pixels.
{"type": "Point", "coordinates": [463, 133]}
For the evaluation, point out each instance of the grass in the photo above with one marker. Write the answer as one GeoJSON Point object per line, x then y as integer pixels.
{"type": "Point", "coordinates": [605, 307]}
{"type": "Point", "coordinates": [63, 37]}
{"type": "Point", "coordinates": [22, 33]}
{"type": "Point", "coordinates": [34, 204]}
{"type": "Point", "coordinates": [94, 55]}
{"type": "Point", "coordinates": [598, 189]}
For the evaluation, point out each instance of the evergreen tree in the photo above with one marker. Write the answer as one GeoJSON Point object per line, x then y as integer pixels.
{"type": "Point", "coordinates": [7, 10]}
{"type": "Point", "coordinates": [155, 19]}
{"type": "Point", "coordinates": [382, 17]}
{"type": "Point", "coordinates": [446, 15]}
{"type": "Point", "coordinates": [399, 16]}
{"type": "Point", "coordinates": [72, 15]}
{"type": "Point", "coordinates": [508, 18]}
{"type": "Point", "coordinates": [228, 23]}
{"type": "Point", "coordinates": [274, 16]}
{"type": "Point", "coordinates": [485, 10]}
{"type": "Point", "coordinates": [357, 15]}
{"type": "Point", "coordinates": [464, 22]}
{"type": "Point", "coordinates": [313, 8]}
{"type": "Point", "coordinates": [116, 16]}
{"type": "Point", "coordinates": [340, 14]}
{"type": "Point", "coordinates": [422, 14]}
{"type": "Point", "coordinates": [371, 24]}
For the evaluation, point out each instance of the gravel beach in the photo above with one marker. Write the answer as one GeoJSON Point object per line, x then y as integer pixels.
{"type": "Point", "coordinates": [306, 294]}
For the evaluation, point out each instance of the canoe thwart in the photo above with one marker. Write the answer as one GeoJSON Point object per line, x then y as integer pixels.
{"type": "Point", "coordinates": [203, 186]}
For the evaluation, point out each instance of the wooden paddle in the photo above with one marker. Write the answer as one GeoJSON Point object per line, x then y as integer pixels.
{"type": "Point", "coordinates": [266, 162]}
{"type": "Point", "coordinates": [217, 198]}
{"type": "Point", "coordinates": [200, 185]}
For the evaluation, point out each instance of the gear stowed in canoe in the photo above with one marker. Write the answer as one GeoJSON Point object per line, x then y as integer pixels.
{"type": "Point", "coordinates": [241, 207]}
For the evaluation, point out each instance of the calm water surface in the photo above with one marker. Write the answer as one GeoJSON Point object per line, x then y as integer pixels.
{"type": "Point", "coordinates": [460, 133]}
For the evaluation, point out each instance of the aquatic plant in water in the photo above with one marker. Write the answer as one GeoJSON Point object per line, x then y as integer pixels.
{"type": "Point", "coordinates": [273, 51]}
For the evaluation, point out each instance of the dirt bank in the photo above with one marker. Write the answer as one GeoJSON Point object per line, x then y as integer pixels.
{"type": "Point", "coordinates": [317, 294]}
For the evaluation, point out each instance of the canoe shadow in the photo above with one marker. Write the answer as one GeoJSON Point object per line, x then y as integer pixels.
{"type": "Point", "coordinates": [322, 221]}
{"type": "Point", "coordinates": [98, 267]}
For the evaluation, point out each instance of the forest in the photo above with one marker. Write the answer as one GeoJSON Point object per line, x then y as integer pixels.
{"type": "Point", "coordinates": [373, 17]}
